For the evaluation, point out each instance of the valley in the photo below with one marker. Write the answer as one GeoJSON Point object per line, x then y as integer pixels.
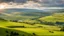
{"type": "Point", "coordinates": [32, 23]}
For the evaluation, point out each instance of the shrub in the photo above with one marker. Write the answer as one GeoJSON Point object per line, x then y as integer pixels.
{"type": "Point", "coordinates": [62, 29]}
{"type": "Point", "coordinates": [51, 31]}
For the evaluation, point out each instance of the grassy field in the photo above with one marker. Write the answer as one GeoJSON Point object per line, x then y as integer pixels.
{"type": "Point", "coordinates": [43, 30]}
{"type": "Point", "coordinates": [31, 22]}
{"type": "Point", "coordinates": [54, 17]}
{"type": "Point", "coordinates": [47, 28]}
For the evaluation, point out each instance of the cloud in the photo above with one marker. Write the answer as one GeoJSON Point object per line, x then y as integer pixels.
{"type": "Point", "coordinates": [47, 3]}
{"type": "Point", "coordinates": [53, 3]}
{"type": "Point", "coordinates": [40, 4]}
{"type": "Point", "coordinates": [28, 4]}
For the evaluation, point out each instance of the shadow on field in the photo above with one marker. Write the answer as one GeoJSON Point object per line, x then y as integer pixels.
{"type": "Point", "coordinates": [11, 32]}
{"type": "Point", "coordinates": [16, 26]}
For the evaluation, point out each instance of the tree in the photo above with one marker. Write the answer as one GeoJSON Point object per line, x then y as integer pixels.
{"type": "Point", "coordinates": [34, 34]}
{"type": "Point", "coordinates": [6, 31]}
{"type": "Point", "coordinates": [14, 34]}
{"type": "Point", "coordinates": [60, 23]}
{"type": "Point", "coordinates": [62, 29]}
{"type": "Point", "coordinates": [51, 31]}
{"type": "Point", "coordinates": [3, 19]}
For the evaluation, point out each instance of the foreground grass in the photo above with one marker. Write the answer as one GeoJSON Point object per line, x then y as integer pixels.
{"type": "Point", "coordinates": [3, 32]}
{"type": "Point", "coordinates": [30, 29]}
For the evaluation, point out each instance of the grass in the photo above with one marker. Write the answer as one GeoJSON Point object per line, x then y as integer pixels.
{"type": "Point", "coordinates": [3, 32]}
{"type": "Point", "coordinates": [53, 18]}
{"type": "Point", "coordinates": [38, 29]}
{"type": "Point", "coordinates": [44, 30]}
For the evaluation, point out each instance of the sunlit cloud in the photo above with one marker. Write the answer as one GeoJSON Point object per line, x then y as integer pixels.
{"type": "Point", "coordinates": [40, 4]}
{"type": "Point", "coordinates": [2, 6]}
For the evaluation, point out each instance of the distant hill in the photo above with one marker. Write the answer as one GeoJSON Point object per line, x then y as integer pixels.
{"type": "Point", "coordinates": [25, 14]}
{"type": "Point", "coordinates": [57, 17]}
{"type": "Point", "coordinates": [22, 10]}
{"type": "Point", "coordinates": [22, 14]}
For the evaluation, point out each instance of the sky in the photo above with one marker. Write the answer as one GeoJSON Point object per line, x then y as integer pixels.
{"type": "Point", "coordinates": [37, 4]}
{"type": "Point", "coordinates": [47, 3]}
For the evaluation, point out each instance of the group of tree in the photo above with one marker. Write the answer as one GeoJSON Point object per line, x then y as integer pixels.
{"type": "Point", "coordinates": [46, 23]}
{"type": "Point", "coordinates": [51, 31]}
{"type": "Point", "coordinates": [17, 34]}
{"type": "Point", "coordinates": [62, 28]}
{"type": "Point", "coordinates": [59, 23]}
{"type": "Point", "coordinates": [12, 33]}
{"type": "Point", "coordinates": [1, 19]}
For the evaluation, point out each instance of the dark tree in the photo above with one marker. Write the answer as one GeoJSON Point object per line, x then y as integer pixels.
{"type": "Point", "coordinates": [62, 29]}
{"type": "Point", "coordinates": [7, 35]}
{"type": "Point", "coordinates": [23, 35]}
{"type": "Point", "coordinates": [12, 34]}
{"type": "Point", "coordinates": [34, 34]}
{"type": "Point", "coordinates": [51, 31]}
{"type": "Point", "coordinates": [59, 23]}
{"type": "Point", "coordinates": [2, 19]}
{"type": "Point", "coordinates": [6, 31]}
{"type": "Point", "coordinates": [16, 34]}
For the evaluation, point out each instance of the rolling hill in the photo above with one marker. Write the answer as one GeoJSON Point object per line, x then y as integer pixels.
{"type": "Point", "coordinates": [57, 18]}
{"type": "Point", "coordinates": [23, 14]}
{"type": "Point", "coordinates": [40, 23]}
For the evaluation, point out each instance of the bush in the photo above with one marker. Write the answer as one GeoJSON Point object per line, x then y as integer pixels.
{"type": "Point", "coordinates": [34, 34]}
{"type": "Point", "coordinates": [62, 29]}
{"type": "Point", "coordinates": [51, 31]}
{"type": "Point", "coordinates": [2, 19]}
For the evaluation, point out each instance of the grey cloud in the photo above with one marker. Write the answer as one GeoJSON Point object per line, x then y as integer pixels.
{"type": "Point", "coordinates": [49, 3]}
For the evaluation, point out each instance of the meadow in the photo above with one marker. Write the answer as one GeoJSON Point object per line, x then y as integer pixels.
{"type": "Point", "coordinates": [38, 29]}
{"type": "Point", "coordinates": [15, 23]}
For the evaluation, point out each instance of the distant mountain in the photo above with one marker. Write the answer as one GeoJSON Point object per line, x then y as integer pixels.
{"type": "Point", "coordinates": [32, 10]}
{"type": "Point", "coordinates": [22, 10]}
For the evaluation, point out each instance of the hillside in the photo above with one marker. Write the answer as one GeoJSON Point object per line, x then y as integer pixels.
{"type": "Point", "coordinates": [57, 17]}
{"type": "Point", "coordinates": [32, 23]}
{"type": "Point", "coordinates": [23, 14]}
{"type": "Point", "coordinates": [28, 29]}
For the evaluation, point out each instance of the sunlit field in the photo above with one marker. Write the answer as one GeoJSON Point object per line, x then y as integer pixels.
{"type": "Point", "coordinates": [44, 30]}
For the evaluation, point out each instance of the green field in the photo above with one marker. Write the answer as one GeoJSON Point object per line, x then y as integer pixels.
{"type": "Point", "coordinates": [32, 23]}
{"type": "Point", "coordinates": [30, 29]}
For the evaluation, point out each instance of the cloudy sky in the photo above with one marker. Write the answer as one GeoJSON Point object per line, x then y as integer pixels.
{"type": "Point", "coordinates": [49, 3]}
{"type": "Point", "coordinates": [38, 4]}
